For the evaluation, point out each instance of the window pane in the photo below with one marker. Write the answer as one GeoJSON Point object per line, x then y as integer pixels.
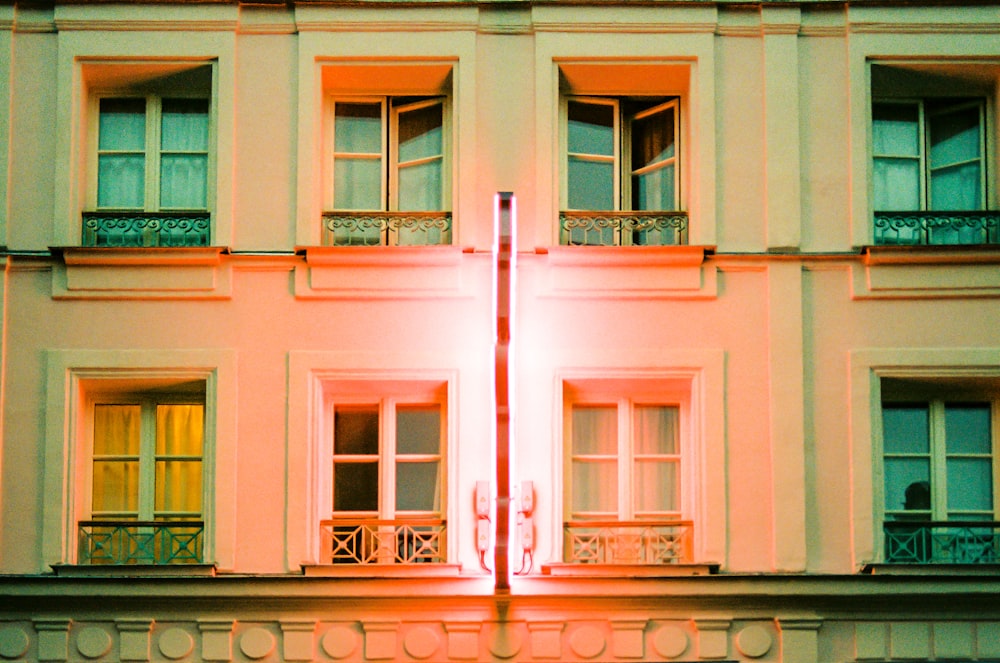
{"type": "Point", "coordinates": [895, 130]}
{"type": "Point", "coordinates": [184, 125]}
{"type": "Point", "coordinates": [591, 128]}
{"type": "Point", "coordinates": [956, 188]}
{"type": "Point", "coordinates": [655, 429]}
{"type": "Point", "coordinates": [418, 429]}
{"type": "Point", "coordinates": [178, 486]}
{"type": "Point", "coordinates": [970, 484]}
{"type": "Point", "coordinates": [653, 138]}
{"type": "Point", "coordinates": [355, 486]}
{"type": "Point", "coordinates": [122, 125]}
{"type": "Point", "coordinates": [358, 128]}
{"type": "Point", "coordinates": [595, 487]}
{"type": "Point", "coordinates": [656, 487]}
{"type": "Point", "coordinates": [420, 187]}
{"type": "Point", "coordinates": [420, 133]}
{"type": "Point", "coordinates": [905, 429]}
{"type": "Point", "coordinates": [183, 181]}
{"type": "Point", "coordinates": [179, 430]}
{"type": "Point", "coordinates": [116, 430]}
{"type": "Point", "coordinates": [654, 190]}
{"type": "Point", "coordinates": [896, 184]}
{"type": "Point", "coordinates": [121, 181]}
{"type": "Point", "coordinates": [954, 136]}
{"type": "Point", "coordinates": [418, 486]}
{"type": "Point", "coordinates": [357, 184]}
{"type": "Point", "coordinates": [595, 430]}
{"type": "Point", "coordinates": [355, 430]}
{"type": "Point", "coordinates": [967, 428]}
{"type": "Point", "coordinates": [116, 487]}
{"type": "Point", "coordinates": [907, 484]}
{"type": "Point", "coordinates": [591, 185]}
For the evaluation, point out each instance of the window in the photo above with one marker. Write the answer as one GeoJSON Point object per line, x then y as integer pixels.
{"type": "Point", "coordinates": [389, 162]}
{"type": "Point", "coordinates": [624, 478]}
{"type": "Point", "coordinates": [387, 481]}
{"type": "Point", "coordinates": [938, 460]}
{"type": "Point", "coordinates": [146, 480]}
{"type": "Point", "coordinates": [622, 171]}
{"type": "Point", "coordinates": [150, 158]}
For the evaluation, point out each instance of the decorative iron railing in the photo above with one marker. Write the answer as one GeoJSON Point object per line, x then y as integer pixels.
{"type": "Point", "coordinates": [942, 542]}
{"type": "Point", "coordinates": [386, 228]}
{"type": "Point", "coordinates": [629, 542]}
{"type": "Point", "coordinates": [373, 541]}
{"type": "Point", "coordinates": [623, 228]}
{"type": "Point", "coordinates": [141, 229]}
{"type": "Point", "coordinates": [141, 542]}
{"type": "Point", "coordinates": [937, 228]}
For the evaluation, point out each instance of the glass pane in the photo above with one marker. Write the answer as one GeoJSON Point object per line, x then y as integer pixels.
{"type": "Point", "coordinates": [895, 130]}
{"type": "Point", "coordinates": [896, 184]}
{"type": "Point", "coordinates": [591, 185]}
{"type": "Point", "coordinates": [357, 184]}
{"type": "Point", "coordinates": [116, 430]}
{"type": "Point", "coordinates": [653, 138]}
{"type": "Point", "coordinates": [956, 188]}
{"type": "Point", "coordinates": [656, 429]}
{"type": "Point", "coordinates": [595, 487]}
{"type": "Point", "coordinates": [654, 190]}
{"type": "Point", "coordinates": [355, 430]}
{"type": "Point", "coordinates": [184, 125]}
{"type": "Point", "coordinates": [418, 486]}
{"type": "Point", "coordinates": [358, 128]}
{"type": "Point", "coordinates": [595, 430]}
{"type": "Point", "coordinates": [967, 428]}
{"type": "Point", "coordinates": [122, 125]}
{"type": "Point", "coordinates": [178, 486]}
{"type": "Point", "coordinates": [121, 181]}
{"type": "Point", "coordinates": [418, 429]}
{"type": "Point", "coordinates": [116, 487]}
{"type": "Point", "coordinates": [954, 136]}
{"type": "Point", "coordinates": [420, 187]}
{"type": "Point", "coordinates": [180, 430]}
{"type": "Point", "coordinates": [420, 133]}
{"type": "Point", "coordinates": [907, 484]}
{"type": "Point", "coordinates": [970, 484]}
{"type": "Point", "coordinates": [905, 428]}
{"type": "Point", "coordinates": [183, 181]}
{"type": "Point", "coordinates": [591, 128]}
{"type": "Point", "coordinates": [656, 487]}
{"type": "Point", "coordinates": [355, 486]}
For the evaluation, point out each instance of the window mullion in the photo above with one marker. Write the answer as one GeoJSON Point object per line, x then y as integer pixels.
{"type": "Point", "coordinates": [620, 163]}
{"type": "Point", "coordinates": [625, 459]}
{"type": "Point", "coordinates": [939, 461]}
{"type": "Point", "coordinates": [154, 107]}
{"type": "Point", "coordinates": [390, 157]}
{"type": "Point", "coordinates": [923, 134]}
{"type": "Point", "coordinates": [147, 460]}
{"type": "Point", "coordinates": [387, 458]}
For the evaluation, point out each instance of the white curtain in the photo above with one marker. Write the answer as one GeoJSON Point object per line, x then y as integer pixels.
{"type": "Point", "coordinates": [595, 461]}
{"type": "Point", "coordinates": [115, 489]}
{"type": "Point", "coordinates": [184, 154]}
{"type": "Point", "coordinates": [655, 479]}
{"type": "Point", "coordinates": [121, 161]}
{"type": "Point", "coordinates": [179, 448]}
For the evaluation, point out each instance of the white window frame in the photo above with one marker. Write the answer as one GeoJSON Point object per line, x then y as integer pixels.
{"type": "Point", "coordinates": [622, 153]}
{"type": "Point", "coordinates": [923, 132]}
{"type": "Point", "coordinates": [389, 179]}
{"type": "Point", "coordinates": [387, 404]}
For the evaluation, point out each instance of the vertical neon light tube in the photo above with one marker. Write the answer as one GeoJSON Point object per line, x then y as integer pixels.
{"type": "Point", "coordinates": [504, 257]}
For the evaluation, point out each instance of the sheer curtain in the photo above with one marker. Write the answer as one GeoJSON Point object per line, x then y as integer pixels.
{"type": "Point", "coordinates": [656, 457]}
{"type": "Point", "coordinates": [184, 154]}
{"type": "Point", "coordinates": [179, 448]}
{"type": "Point", "coordinates": [594, 462]}
{"type": "Point", "coordinates": [115, 489]}
{"type": "Point", "coordinates": [896, 156]}
{"type": "Point", "coordinates": [121, 159]}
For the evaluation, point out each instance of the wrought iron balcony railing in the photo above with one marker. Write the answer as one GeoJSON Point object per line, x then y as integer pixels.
{"type": "Point", "coordinates": [623, 228]}
{"type": "Point", "coordinates": [629, 542]}
{"type": "Point", "coordinates": [942, 542]}
{"type": "Point", "coordinates": [374, 541]}
{"type": "Point", "coordinates": [386, 228]}
{"type": "Point", "coordinates": [937, 228]}
{"type": "Point", "coordinates": [141, 542]}
{"type": "Point", "coordinates": [143, 229]}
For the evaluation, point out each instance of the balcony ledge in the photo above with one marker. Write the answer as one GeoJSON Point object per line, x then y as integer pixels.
{"type": "Point", "coordinates": [376, 571]}
{"type": "Point", "coordinates": [937, 570]}
{"type": "Point", "coordinates": [133, 570]}
{"type": "Point", "coordinates": [567, 570]}
{"type": "Point", "coordinates": [978, 254]}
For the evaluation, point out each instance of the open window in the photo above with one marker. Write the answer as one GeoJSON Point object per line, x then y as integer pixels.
{"type": "Point", "coordinates": [627, 473]}
{"type": "Point", "coordinates": [385, 486]}
{"type": "Point", "coordinates": [387, 155]}
{"type": "Point", "coordinates": [933, 169]}
{"type": "Point", "coordinates": [142, 475]}
{"type": "Point", "coordinates": [150, 164]}
{"type": "Point", "coordinates": [939, 468]}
